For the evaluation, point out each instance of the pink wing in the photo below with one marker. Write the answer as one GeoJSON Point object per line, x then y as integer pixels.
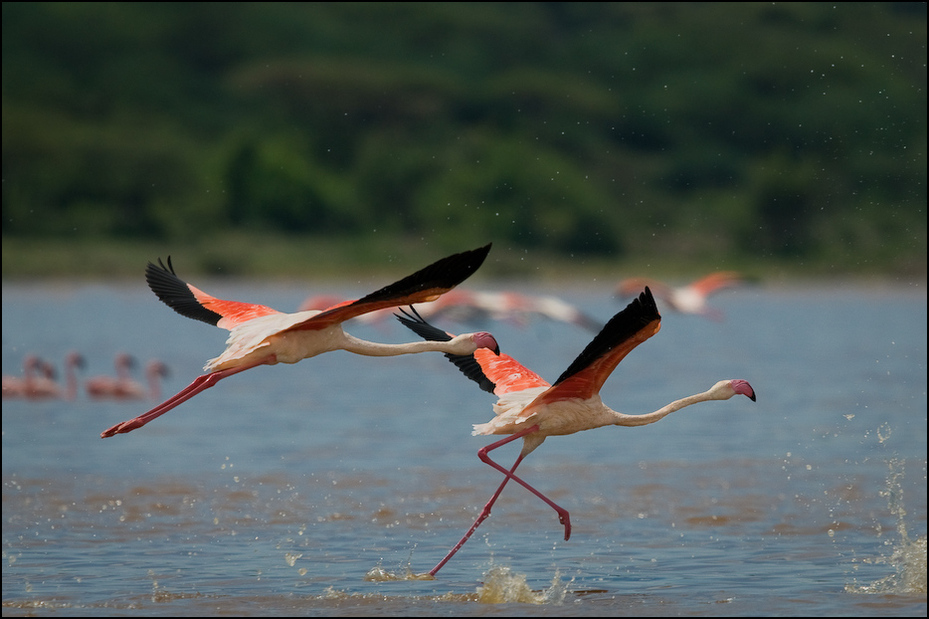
{"type": "Point", "coordinates": [192, 302]}
{"type": "Point", "coordinates": [506, 373]}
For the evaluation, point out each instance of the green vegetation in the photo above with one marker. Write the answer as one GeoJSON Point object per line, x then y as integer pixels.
{"type": "Point", "coordinates": [278, 138]}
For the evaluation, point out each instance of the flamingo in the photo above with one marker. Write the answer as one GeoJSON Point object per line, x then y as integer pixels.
{"type": "Point", "coordinates": [530, 408]}
{"type": "Point", "coordinates": [155, 370]}
{"type": "Point", "coordinates": [43, 385]}
{"type": "Point", "coordinates": [99, 387]}
{"type": "Point", "coordinates": [689, 299]}
{"type": "Point", "coordinates": [18, 386]}
{"type": "Point", "coordinates": [473, 306]}
{"type": "Point", "coordinates": [547, 306]}
{"type": "Point", "coordinates": [260, 335]}
{"type": "Point", "coordinates": [123, 386]}
{"type": "Point", "coordinates": [38, 382]}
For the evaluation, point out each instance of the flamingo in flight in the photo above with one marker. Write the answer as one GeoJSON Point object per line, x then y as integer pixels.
{"type": "Point", "coordinates": [689, 299]}
{"type": "Point", "coordinates": [260, 335]}
{"type": "Point", "coordinates": [472, 306]}
{"type": "Point", "coordinates": [530, 408]}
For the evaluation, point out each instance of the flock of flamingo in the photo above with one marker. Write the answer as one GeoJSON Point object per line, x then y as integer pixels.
{"type": "Point", "coordinates": [39, 380]}
{"type": "Point", "coordinates": [527, 407]}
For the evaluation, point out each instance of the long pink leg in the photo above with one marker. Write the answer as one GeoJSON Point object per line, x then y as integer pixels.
{"type": "Point", "coordinates": [201, 383]}
{"type": "Point", "coordinates": [563, 515]}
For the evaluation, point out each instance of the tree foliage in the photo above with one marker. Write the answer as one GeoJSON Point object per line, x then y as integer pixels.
{"type": "Point", "coordinates": [791, 130]}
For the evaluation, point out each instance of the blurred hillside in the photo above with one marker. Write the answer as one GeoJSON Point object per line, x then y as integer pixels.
{"type": "Point", "coordinates": [718, 134]}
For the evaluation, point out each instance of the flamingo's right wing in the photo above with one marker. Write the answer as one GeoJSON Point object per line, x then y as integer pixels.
{"type": "Point", "coordinates": [427, 284]}
{"type": "Point", "coordinates": [192, 302]}
{"type": "Point", "coordinates": [494, 373]}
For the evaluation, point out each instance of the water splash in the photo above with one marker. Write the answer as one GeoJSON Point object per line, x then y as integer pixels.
{"type": "Point", "coordinates": [501, 585]}
{"type": "Point", "coordinates": [908, 557]}
{"type": "Point", "coordinates": [379, 574]}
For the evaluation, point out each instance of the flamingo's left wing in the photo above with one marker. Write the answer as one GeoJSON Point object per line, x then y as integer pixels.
{"type": "Point", "coordinates": [190, 301]}
{"type": "Point", "coordinates": [427, 284]}
{"type": "Point", "coordinates": [627, 329]}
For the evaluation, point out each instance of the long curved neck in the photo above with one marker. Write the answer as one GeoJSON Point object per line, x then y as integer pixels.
{"type": "Point", "coordinates": [641, 420]}
{"type": "Point", "coordinates": [460, 345]}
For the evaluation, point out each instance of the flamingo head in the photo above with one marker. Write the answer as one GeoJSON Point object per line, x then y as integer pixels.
{"type": "Point", "coordinates": [47, 369]}
{"type": "Point", "coordinates": [125, 360]}
{"type": "Point", "coordinates": [739, 386]}
{"type": "Point", "coordinates": [482, 339]}
{"type": "Point", "coordinates": [156, 367]}
{"type": "Point", "coordinates": [75, 359]}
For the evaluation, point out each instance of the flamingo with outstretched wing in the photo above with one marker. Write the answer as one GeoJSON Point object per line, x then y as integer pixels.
{"type": "Point", "coordinates": [530, 408]}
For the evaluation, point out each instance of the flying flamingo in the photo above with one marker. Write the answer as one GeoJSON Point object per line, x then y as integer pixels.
{"type": "Point", "coordinates": [475, 306]}
{"type": "Point", "coordinates": [472, 306]}
{"type": "Point", "coordinates": [520, 305]}
{"type": "Point", "coordinates": [531, 409]}
{"type": "Point", "coordinates": [689, 299]}
{"type": "Point", "coordinates": [261, 335]}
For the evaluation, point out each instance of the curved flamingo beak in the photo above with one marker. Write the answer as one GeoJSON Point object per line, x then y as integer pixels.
{"type": "Point", "coordinates": [485, 340]}
{"type": "Point", "coordinates": [741, 386]}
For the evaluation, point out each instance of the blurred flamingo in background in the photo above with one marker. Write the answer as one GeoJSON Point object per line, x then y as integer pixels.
{"type": "Point", "coordinates": [530, 408]}
{"type": "Point", "coordinates": [73, 362]}
{"type": "Point", "coordinates": [155, 371]}
{"type": "Point", "coordinates": [477, 306]}
{"type": "Point", "coordinates": [689, 299]}
{"type": "Point", "coordinates": [18, 386]}
{"type": "Point", "coordinates": [106, 386]}
{"type": "Point", "coordinates": [39, 381]}
{"type": "Point", "coordinates": [467, 306]}
{"type": "Point", "coordinates": [123, 386]}
{"type": "Point", "coordinates": [520, 307]}
{"type": "Point", "coordinates": [260, 335]}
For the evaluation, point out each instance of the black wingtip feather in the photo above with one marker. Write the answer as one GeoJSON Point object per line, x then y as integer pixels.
{"type": "Point", "coordinates": [175, 293]}
{"type": "Point", "coordinates": [625, 324]}
{"type": "Point", "coordinates": [416, 323]}
{"type": "Point", "coordinates": [466, 363]}
{"type": "Point", "coordinates": [445, 273]}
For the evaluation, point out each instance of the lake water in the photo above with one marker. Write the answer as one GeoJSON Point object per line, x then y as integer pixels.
{"type": "Point", "coordinates": [290, 489]}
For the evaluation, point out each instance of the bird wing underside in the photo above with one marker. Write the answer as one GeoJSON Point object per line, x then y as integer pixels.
{"type": "Point", "coordinates": [627, 329]}
{"type": "Point", "coordinates": [427, 284]}
{"type": "Point", "coordinates": [192, 302]}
